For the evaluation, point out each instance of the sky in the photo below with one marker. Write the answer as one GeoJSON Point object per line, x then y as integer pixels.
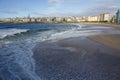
{"type": "Point", "coordinates": [56, 8]}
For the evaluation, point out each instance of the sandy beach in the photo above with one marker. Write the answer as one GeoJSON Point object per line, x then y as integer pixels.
{"type": "Point", "coordinates": [112, 41]}
{"type": "Point", "coordinates": [79, 58]}
{"type": "Point", "coordinates": [115, 26]}
{"type": "Point", "coordinates": [76, 59]}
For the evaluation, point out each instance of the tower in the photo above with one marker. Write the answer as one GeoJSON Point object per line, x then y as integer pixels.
{"type": "Point", "coordinates": [28, 16]}
{"type": "Point", "coordinates": [118, 16]}
{"type": "Point", "coordinates": [29, 19]}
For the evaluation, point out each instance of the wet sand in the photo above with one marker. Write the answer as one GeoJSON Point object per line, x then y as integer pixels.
{"type": "Point", "coordinates": [112, 41]}
{"type": "Point", "coordinates": [76, 59]}
{"type": "Point", "coordinates": [115, 26]}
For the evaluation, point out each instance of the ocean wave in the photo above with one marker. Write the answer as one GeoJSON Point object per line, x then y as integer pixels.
{"type": "Point", "coordinates": [16, 62]}
{"type": "Point", "coordinates": [72, 33]}
{"type": "Point", "coordinates": [11, 32]}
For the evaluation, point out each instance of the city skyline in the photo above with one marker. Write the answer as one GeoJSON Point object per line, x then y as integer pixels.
{"type": "Point", "coordinates": [58, 8]}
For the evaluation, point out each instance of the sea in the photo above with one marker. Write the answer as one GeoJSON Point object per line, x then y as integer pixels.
{"type": "Point", "coordinates": [18, 40]}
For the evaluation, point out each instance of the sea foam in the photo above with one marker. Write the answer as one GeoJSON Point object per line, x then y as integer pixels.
{"type": "Point", "coordinates": [16, 62]}
{"type": "Point", "coordinates": [10, 32]}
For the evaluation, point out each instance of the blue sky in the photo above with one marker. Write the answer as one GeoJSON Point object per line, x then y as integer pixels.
{"type": "Point", "coordinates": [50, 8]}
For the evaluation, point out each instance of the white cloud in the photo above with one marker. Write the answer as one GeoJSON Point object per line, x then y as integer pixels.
{"type": "Point", "coordinates": [54, 1]}
{"type": "Point", "coordinates": [9, 12]}
{"type": "Point", "coordinates": [54, 6]}
{"type": "Point", "coordinates": [73, 8]}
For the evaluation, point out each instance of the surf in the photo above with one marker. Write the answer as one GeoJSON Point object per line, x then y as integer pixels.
{"type": "Point", "coordinates": [11, 32]}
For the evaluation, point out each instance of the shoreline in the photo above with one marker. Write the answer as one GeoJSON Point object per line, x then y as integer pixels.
{"type": "Point", "coordinates": [115, 26]}
{"type": "Point", "coordinates": [96, 23]}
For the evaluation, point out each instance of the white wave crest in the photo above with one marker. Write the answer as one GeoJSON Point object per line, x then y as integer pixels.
{"type": "Point", "coordinates": [69, 34]}
{"type": "Point", "coordinates": [10, 32]}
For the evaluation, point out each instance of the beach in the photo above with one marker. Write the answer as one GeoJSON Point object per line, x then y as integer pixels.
{"type": "Point", "coordinates": [59, 52]}
{"type": "Point", "coordinates": [79, 58]}
{"type": "Point", "coordinates": [115, 26]}
{"type": "Point", "coordinates": [112, 41]}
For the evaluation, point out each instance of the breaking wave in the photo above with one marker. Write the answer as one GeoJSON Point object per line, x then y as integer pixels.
{"type": "Point", "coordinates": [11, 32]}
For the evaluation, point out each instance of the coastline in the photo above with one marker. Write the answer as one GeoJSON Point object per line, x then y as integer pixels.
{"type": "Point", "coordinates": [116, 26]}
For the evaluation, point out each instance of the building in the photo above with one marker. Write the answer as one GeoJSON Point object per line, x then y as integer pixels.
{"type": "Point", "coordinates": [25, 19]}
{"type": "Point", "coordinates": [118, 17]}
{"type": "Point", "coordinates": [43, 19]}
{"type": "Point", "coordinates": [58, 19]}
{"type": "Point", "coordinates": [6, 20]}
{"type": "Point", "coordinates": [46, 19]}
{"type": "Point", "coordinates": [101, 17]}
{"type": "Point", "coordinates": [69, 19]}
{"type": "Point", "coordinates": [93, 18]}
{"type": "Point", "coordinates": [80, 19]}
{"type": "Point", "coordinates": [49, 19]}
{"type": "Point", "coordinates": [33, 20]}
{"type": "Point", "coordinates": [113, 19]}
{"type": "Point", "coordinates": [107, 17]}
{"type": "Point", "coordinates": [104, 17]}
{"type": "Point", "coordinates": [77, 19]}
{"type": "Point", "coordinates": [73, 19]}
{"type": "Point", "coordinates": [38, 19]}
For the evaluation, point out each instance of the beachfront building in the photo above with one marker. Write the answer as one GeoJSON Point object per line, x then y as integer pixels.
{"type": "Point", "coordinates": [118, 17]}
{"type": "Point", "coordinates": [58, 19]}
{"type": "Point", "coordinates": [25, 19]}
{"type": "Point", "coordinates": [1, 20]}
{"type": "Point", "coordinates": [33, 20]}
{"type": "Point", "coordinates": [68, 19]}
{"type": "Point", "coordinates": [74, 19]}
{"type": "Point", "coordinates": [101, 17]}
{"type": "Point", "coordinates": [113, 19]}
{"type": "Point", "coordinates": [83, 19]}
{"type": "Point", "coordinates": [38, 19]}
{"type": "Point", "coordinates": [49, 19]}
{"type": "Point", "coordinates": [43, 19]}
{"type": "Point", "coordinates": [107, 17]}
{"type": "Point", "coordinates": [104, 17]}
{"type": "Point", "coordinates": [93, 18]}
{"type": "Point", "coordinates": [5, 20]}
{"type": "Point", "coordinates": [77, 19]}
{"type": "Point", "coordinates": [18, 20]}
{"type": "Point", "coordinates": [46, 19]}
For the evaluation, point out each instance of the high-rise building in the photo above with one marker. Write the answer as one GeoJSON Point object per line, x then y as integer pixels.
{"type": "Point", "coordinates": [107, 17]}
{"type": "Point", "coordinates": [118, 16]}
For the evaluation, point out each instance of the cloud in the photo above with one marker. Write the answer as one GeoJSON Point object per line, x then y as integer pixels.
{"type": "Point", "coordinates": [67, 8]}
{"type": "Point", "coordinates": [96, 10]}
{"type": "Point", "coordinates": [37, 14]}
{"type": "Point", "coordinates": [54, 6]}
{"type": "Point", "coordinates": [72, 9]}
{"type": "Point", "coordinates": [89, 11]}
{"type": "Point", "coordinates": [9, 12]}
{"type": "Point", "coordinates": [54, 1]}
{"type": "Point", "coordinates": [81, 12]}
